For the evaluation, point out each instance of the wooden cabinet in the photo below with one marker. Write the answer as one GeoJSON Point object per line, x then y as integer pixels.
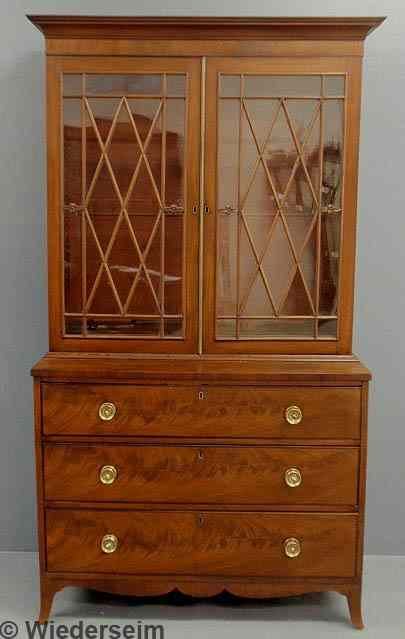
{"type": "Point", "coordinates": [200, 417]}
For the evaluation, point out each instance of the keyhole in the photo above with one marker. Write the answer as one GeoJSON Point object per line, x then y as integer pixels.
{"type": "Point", "coordinates": [200, 519]}
{"type": "Point", "coordinates": [201, 395]}
{"type": "Point", "coordinates": [200, 455]}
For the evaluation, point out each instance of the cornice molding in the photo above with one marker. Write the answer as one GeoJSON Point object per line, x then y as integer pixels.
{"type": "Point", "coordinates": [200, 28]}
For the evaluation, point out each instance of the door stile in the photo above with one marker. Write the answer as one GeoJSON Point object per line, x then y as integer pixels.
{"type": "Point", "coordinates": [201, 207]}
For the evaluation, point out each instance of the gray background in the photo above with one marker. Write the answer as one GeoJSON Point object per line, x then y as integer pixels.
{"type": "Point", "coordinates": [380, 286]}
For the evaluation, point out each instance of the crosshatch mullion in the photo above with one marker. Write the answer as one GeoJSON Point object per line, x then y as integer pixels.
{"type": "Point", "coordinates": [103, 162]}
{"type": "Point", "coordinates": [123, 201]}
{"type": "Point", "coordinates": [316, 122]}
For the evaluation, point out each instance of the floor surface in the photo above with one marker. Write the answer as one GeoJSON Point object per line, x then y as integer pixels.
{"type": "Point", "coordinates": [305, 617]}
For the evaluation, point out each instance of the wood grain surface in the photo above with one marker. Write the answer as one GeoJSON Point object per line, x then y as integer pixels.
{"type": "Point", "coordinates": [231, 544]}
{"type": "Point", "coordinates": [72, 409]}
{"type": "Point", "coordinates": [202, 475]}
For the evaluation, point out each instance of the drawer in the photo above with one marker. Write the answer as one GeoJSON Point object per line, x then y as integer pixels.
{"type": "Point", "coordinates": [209, 543]}
{"type": "Point", "coordinates": [156, 411]}
{"type": "Point", "coordinates": [202, 475]}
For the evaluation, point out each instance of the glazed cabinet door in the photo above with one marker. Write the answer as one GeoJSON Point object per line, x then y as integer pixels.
{"type": "Point", "coordinates": [280, 186]}
{"type": "Point", "coordinates": [123, 192]}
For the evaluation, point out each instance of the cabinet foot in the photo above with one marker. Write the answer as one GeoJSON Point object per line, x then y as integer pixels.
{"type": "Point", "coordinates": [48, 592]}
{"type": "Point", "coordinates": [354, 601]}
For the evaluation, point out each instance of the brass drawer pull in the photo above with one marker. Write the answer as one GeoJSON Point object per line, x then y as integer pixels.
{"type": "Point", "coordinates": [109, 544]}
{"type": "Point", "coordinates": [293, 477]}
{"type": "Point", "coordinates": [293, 415]}
{"type": "Point", "coordinates": [292, 547]}
{"type": "Point", "coordinates": [107, 411]}
{"type": "Point", "coordinates": [108, 475]}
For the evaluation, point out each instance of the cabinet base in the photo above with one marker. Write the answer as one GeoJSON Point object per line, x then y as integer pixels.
{"type": "Point", "coordinates": [141, 587]}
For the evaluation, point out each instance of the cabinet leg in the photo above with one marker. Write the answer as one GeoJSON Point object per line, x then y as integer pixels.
{"type": "Point", "coordinates": [48, 591]}
{"type": "Point", "coordinates": [354, 601]}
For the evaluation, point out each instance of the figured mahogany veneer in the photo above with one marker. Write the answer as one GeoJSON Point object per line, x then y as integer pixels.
{"type": "Point", "coordinates": [227, 500]}
{"type": "Point", "coordinates": [194, 411]}
{"type": "Point", "coordinates": [201, 475]}
{"type": "Point", "coordinates": [228, 544]}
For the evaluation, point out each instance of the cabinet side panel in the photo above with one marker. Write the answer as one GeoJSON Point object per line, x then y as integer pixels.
{"type": "Point", "coordinates": [39, 474]}
{"type": "Point", "coordinates": [362, 478]}
{"type": "Point", "coordinates": [348, 253]}
{"type": "Point", "coordinates": [54, 202]}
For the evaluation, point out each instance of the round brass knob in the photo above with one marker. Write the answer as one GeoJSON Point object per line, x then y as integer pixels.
{"type": "Point", "coordinates": [293, 415]}
{"type": "Point", "coordinates": [109, 544]}
{"type": "Point", "coordinates": [293, 477]}
{"type": "Point", "coordinates": [108, 475]}
{"type": "Point", "coordinates": [107, 411]}
{"type": "Point", "coordinates": [292, 547]}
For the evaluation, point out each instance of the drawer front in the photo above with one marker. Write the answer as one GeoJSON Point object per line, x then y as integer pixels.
{"type": "Point", "coordinates": [202, 475]}
{"type": "Point", "coordinates": [330, 413]}
{"type": "Point", "coordinates": [213, 543]}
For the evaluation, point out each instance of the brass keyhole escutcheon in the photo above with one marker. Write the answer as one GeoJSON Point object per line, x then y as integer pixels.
{"type": "Point", "coordinates": [108, 475]}
{"type": "Point", "coordinates": [107, 411]}
{"type": "Point", "coordinates": [293, 477]}
{"type": "Point", "coordinates": [109, 544]}
{"type": "Point", "coordinates": [292, 547]}
{"type": "Point", "coordinates": [293, 415]}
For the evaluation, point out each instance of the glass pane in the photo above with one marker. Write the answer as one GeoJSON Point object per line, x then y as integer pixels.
{"type": "Point", "coordinates": [173, 273]}
{"type": "Point", "coordinates": [73, 326]}
{"type": "Point", "coordinates": [175, 140]}
{"type": "Point", "coordinates": [230, 85]}
{"type": "Point", "coordinates": [327, 329]}
{"type": "Point", "coordinates": [263, 329]}
{"type": "Point", "coordinates": [121, 326]}
{"type": "Point", "coordinates": [227, 218]}
{"type": "Point", "coordinates": [176, 85]}
{"type": "Point", "coordinates": [72, 142]}
{"type": "Point", "coordinates": [269, 219]}
{"type": "Point", "coordinates": [329, 263]}
{"type": "Point", "coordinates": [124, 84]}
{"type": "Point", "coordinates": [124, 207]}
{"type": "Point", "coordinates": [73, 263]}
{"type": "Point", "coordinates": [72, 196]}
{"type": "Point", "coordinates": [282, 85]}
{"type": "Point", "coordinates": [277, 329]}
{"type": "Point", "coordinates": [72, 84]}
{"type": "Point", "coordinates": [228, 147]}
{"type": "Point", "coordinates": [226, 263]}
{"type": "Point", "coordinates": [333, 153]}
{"type": "Point", "coordinates": [334, 85]}
{"type": "Point", "coordinates": [173, 328]}
{"type": "Point", "coordinates": [226, 329]}
{"type": "Point", "coordinates": [174, 219]}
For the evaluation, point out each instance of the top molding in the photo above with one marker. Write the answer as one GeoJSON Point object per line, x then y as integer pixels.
{"type": "Point", "coordinates": [200, 28]}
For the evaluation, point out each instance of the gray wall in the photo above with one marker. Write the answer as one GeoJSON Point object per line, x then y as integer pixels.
{"type": "Point", "coordinates": [380, 300]}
